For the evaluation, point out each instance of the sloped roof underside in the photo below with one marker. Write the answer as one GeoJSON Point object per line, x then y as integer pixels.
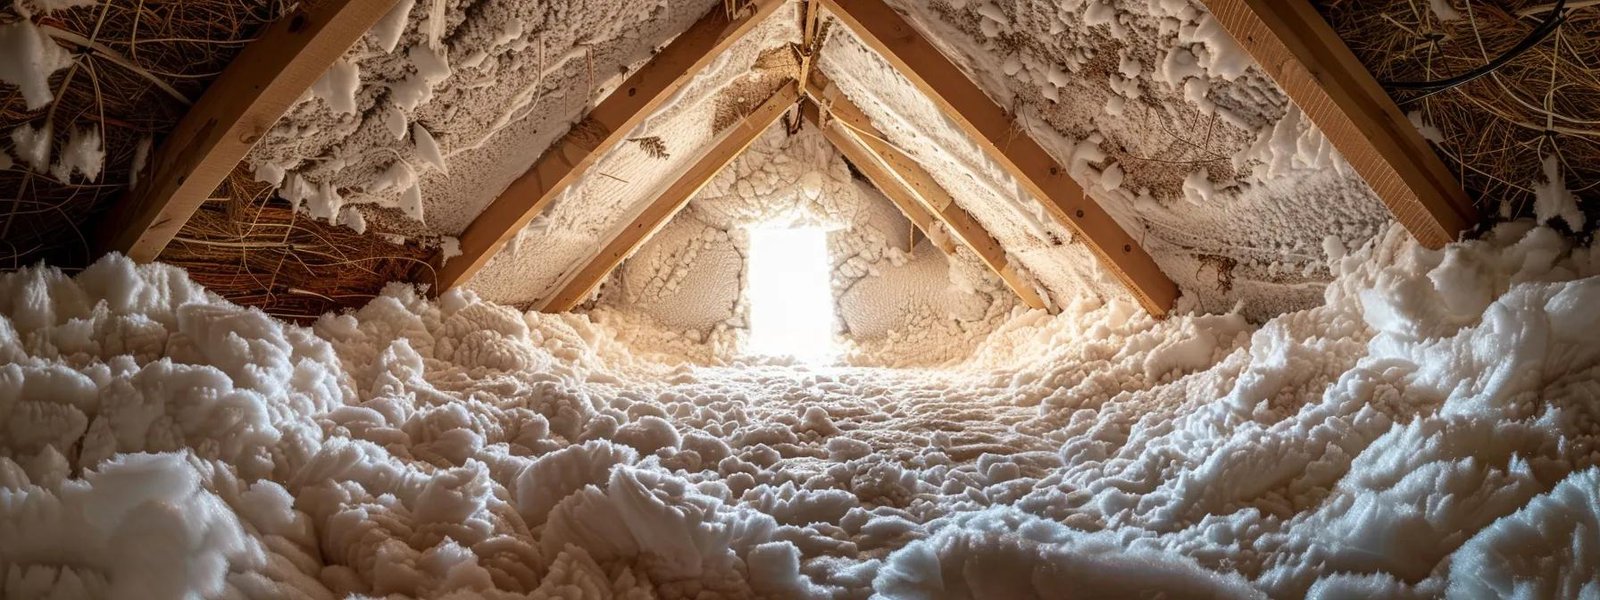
{"type": "Point", "coordinates": [1168, 125]}
{"type": "Point", "coordinates": [494, 85]}
{"type": "Point", "coordinates": [580, 222]}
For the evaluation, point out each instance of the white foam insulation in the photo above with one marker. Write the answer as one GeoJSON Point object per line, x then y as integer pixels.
{"type": "Point", "coordinates": [445, 102]}
{"type": "Point", "coordinates": [617, 187]}
{"type": "Point", "coordinates": [1171, 127]}
{"type": "Point", "coordinates": [912, 122]}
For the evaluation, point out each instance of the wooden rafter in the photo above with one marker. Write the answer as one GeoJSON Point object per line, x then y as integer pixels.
{"type": "Point", "coordinates": [244, 102]}
{"type": "Point", "coordinates": [733, 142]}
{"type": "Point", "coordinates": [810, 23]}
{"type": "Point", "coordinates": [994, 129]}
{"type": "Point", "coordinates": [909, 186]}
{"type": "Point", "coordinates": [1299, 50]}
{"type": "Point", "coordinates": [601, 130]}
{"type": "Point", "coordinates": [880, 176]}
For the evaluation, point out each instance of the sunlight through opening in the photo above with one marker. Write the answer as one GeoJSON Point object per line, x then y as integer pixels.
{"type": "Point", "coordinates": [791, 301]}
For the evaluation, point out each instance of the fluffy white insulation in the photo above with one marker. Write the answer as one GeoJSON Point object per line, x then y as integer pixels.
{"type": "Point", "coordinates": [609, 193]}
{"type": "Point", "coordinates": [442, 104]}
{"type": "Point", "coordinates": [1164, 120]}
{"type": "Point", "coordinates": [1430, 430]}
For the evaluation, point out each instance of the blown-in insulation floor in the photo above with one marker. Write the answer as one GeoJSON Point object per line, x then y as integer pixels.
{"type": "Point", "coordinates": [1431, 430]}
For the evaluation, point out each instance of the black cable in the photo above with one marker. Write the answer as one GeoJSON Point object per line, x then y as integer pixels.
{"type": "Point", "coordinates": [1558, 15]}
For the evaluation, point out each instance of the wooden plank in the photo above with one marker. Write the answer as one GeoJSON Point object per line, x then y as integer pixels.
{"type": "Point", "coordinates": [810, 23]}
{"type": "Point", "coordinates": [906, 175]}
{"type": "Point", "coordinates": [605, 127]}
{"type": "Point", "coordinates": [733, 142]}
{"type": "Point", "coordinates": [1299, 50]}
{"type": "Point", "coordinates": [244, 102]}
{"type": "Point", "coordinates": [994, 129]}
{"type": "Point", "coordinates": [878, 173]}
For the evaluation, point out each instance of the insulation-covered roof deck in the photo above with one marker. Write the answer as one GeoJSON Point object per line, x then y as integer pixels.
{"type": "Point", "coordinates": [810, 299]}
{"type": "Point", "coordinates": [422, 132]}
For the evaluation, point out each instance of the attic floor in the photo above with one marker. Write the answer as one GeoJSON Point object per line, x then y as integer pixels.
{"type": "Point", "coordinates": [1429, 430]}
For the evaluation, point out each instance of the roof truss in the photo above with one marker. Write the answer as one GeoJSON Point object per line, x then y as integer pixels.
{"type": "Point", "coordinates": [923, 202]}
{"type": "Point", "coordinates": [244, 102]}
{"type": "Point", "coordinates": [1286, 37]}
{"type": "Point", "coordinates": [994, 129]}
{"type": "Point", "coordinates": [910, 186]}
{"type": "Point", "coordinates": [733, 142]}
{"type": "Point", "coordinates": [879, 174]}
{"type": "Point", "coordinates": [1300, 51]}
{"type": "Point", "coordinates": [603, 129]}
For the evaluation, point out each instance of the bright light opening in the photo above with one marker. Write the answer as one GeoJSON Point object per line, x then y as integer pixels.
{"type": "Point", "coordinates": [791, 299]}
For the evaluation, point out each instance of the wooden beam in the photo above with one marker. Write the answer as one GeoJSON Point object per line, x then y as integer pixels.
{"type": "Point", "coordinates": [878, 173]}
{"type": "Point", "coordinates": [733, 142]}
{"type": "Point", "coordinates": [1299, 50]}
{"type": "Point", "coordinates": [850, 129]}
{"type": "Point", "coordinates": [994, 129]}
{"type": "Point", "coordinates": [810, 23]}
{"type": "Point", "coordinates": [605, 127]}
{"type": "Point", "coordinates": [244, 102]}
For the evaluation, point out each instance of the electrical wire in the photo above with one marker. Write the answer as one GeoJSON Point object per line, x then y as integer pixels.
{"type": "Point", "coordinates": [1558, 15]}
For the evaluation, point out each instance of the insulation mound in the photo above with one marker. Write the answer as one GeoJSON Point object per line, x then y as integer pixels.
{"type": "Point", "coordinates": [1431, 429]}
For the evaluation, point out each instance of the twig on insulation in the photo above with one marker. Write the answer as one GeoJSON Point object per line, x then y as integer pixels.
{"type": "Point", "coordinates": [653, 146]}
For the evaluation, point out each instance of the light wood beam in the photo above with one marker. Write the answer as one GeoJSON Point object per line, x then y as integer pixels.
{"type": "Point", "coordinates": [602, 129]}
{"type": "Point", "coordinates": [1299, 50]}
{"type": "Point", "coordinates": [996, 131]}
{"type": "Point", "coordinates": [244, 102]}
{"type": "Point", "coordinates": [850, 128]}
{"type": "Point", "coordinates": [810, 22]}
{"type": "Point", "coordinates": [878, 173]}
{"type": "Point", "coordinates": [733, 142]}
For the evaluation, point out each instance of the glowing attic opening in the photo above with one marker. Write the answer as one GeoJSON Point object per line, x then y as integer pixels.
{"type": "Point", "coordinates": [791, 301]}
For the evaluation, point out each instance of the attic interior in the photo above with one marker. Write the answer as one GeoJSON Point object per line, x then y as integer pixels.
{"type": "Point", "coordinates": [799, 299]}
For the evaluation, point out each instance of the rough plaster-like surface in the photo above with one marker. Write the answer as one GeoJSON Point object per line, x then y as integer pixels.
{"type": "Point", "coordinates": [493, 82]}
{"type": "Point", "coordinates": [575, 227]}
{"type": "Point", "coordinates": [1152, 107]}
{"type": "Point", "coordinates": [915, 124]}
{"type": "Point", "coordinates": [689, 279]}
{"type": "Point", "coordinates": [1176, 132]}
{"type": "Point", "coordinates": [690, 276]}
